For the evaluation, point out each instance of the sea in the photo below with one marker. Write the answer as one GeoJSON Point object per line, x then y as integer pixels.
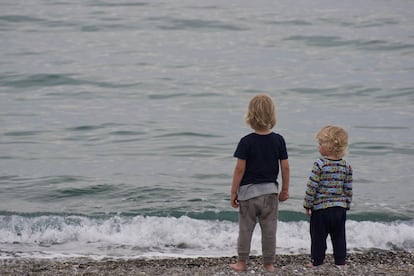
{"type": "Point", "coordinates": [119, 120]}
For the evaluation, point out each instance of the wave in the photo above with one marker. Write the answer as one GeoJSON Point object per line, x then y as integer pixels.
{"type": "Point", "coordinates": [151, 236]}
{"type": "Point", "coordinates": [53, 80]}
{"type": "Point", "coordinates": [358, 44]}
{"type": "Point", "coordinates": [14, 18]}
{"type": "Point", "coordinates": [174, 24]}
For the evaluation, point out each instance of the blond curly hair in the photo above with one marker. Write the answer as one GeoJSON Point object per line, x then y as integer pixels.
{"type": "Point", "coordinates": [335, 138]}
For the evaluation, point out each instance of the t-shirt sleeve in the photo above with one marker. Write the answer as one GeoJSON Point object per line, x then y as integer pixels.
{"type": "Point", "coordinates": [241, 150]}
{"type": "Point", "coordinates": [283, 152]}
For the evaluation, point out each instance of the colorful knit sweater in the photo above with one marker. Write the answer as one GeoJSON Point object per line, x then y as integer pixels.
{"type": "Point", "coordinates": [329, 185]}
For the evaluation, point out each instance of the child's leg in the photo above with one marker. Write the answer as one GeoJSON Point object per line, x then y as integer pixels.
{"type": "Point", "coordinates": [239, 266]}
{"type": "Point", "coordinates": [338, 234]}
{"type": "Point", "coordinates": [319, 233]}
{"type": "Point", "coordinates": [268, 225]}
{"type": "Point", "coordinates": [247, 223]}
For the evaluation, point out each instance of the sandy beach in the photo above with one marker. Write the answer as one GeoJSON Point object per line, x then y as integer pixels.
{"type": "Point", "coordinates": [368, 263]}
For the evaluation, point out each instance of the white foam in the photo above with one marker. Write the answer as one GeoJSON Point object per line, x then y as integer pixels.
{"type": "Point", "coordinates": [123, 237]}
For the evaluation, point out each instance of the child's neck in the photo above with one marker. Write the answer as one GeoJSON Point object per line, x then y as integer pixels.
{"type": "Point", "coordinates": [262, 131]}
{"type": "Point", "coordinates": [333, 157]}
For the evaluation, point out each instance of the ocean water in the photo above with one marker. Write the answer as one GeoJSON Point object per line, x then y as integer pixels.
{"type": "Point", "coordinates": [119, 119]}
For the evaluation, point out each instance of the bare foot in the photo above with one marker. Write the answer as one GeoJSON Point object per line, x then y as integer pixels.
{"type": "Point", "coordinates": [309, 265]}
{"type": "Point", "coordinates": [269, 267]}
{"type": "Point", "coordinates": [239, 266]}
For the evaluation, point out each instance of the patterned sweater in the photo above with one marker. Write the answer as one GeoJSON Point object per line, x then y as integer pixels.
{"type": "Point", "coordinates": [329, 185]}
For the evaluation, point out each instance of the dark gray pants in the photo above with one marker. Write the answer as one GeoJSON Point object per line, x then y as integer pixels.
{"type": "Point", "coordinates": [265, 210]}
{"type": "Point", "coordinates": [329, 221]}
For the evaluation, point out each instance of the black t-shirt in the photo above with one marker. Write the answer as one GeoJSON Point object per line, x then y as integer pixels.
{"type": "Point", "coordinates": [262, 154]}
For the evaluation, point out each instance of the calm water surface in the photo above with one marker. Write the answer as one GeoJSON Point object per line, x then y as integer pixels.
{"type": "Point", "coordinates": [121, 118]}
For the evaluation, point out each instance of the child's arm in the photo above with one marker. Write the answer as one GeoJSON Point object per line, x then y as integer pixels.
{"type": "Point", "coordinates": [237, 177]}
{"type": "Point", "coordinates": [312, 185]}
{"type": "Point", "coordinates": [285, 170]}
{"type": "Point", "coordinates": [348, 188]}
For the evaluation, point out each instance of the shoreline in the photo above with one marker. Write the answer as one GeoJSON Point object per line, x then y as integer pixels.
{"type": "Point", "coordinates": [366, 263]}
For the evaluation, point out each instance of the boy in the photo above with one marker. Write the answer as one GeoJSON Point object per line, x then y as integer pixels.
{"type": "Point", "coordinates": [328, 195]}
{"type": "Point", "coordinates": [255, 188]}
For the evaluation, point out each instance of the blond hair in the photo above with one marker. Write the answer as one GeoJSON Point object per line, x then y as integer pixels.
{"type": "Point", "coordinates": [335, 138]}
{"type": "Point", "coordinates": [261, 113]}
